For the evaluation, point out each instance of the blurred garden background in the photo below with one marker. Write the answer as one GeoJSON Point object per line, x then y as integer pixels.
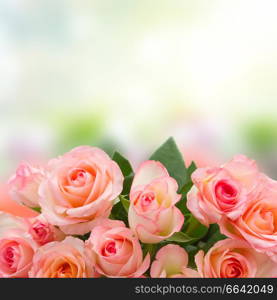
{"type": "Point", "coordinates": [126, 75]}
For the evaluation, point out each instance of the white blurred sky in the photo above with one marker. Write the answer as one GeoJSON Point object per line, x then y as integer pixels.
{"type": "Point", "coordinates": [150, 67]}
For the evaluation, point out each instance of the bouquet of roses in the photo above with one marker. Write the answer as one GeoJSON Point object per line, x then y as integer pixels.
{"type": "Point", "coordinates": [96, 217]}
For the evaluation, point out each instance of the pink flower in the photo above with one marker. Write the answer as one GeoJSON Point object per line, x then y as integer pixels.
{"type": "Point", "coordinates": [66, 259]}
{"type": "Point", "coordinates": [36, 229]}
{"type": "Point", "coordinates": [116, 250]}
{"type": "Point", "coordinates": [258, 224]}
{"type": "Point", "coordinates": [234, 259]}
{"type": "Point", "coordinates": [171, 261]}
{"type": "Point", "coordinates": [81, 187]}
{"type": "Point", "coordinates": [24, 184]}
{"type": "Point", "coordinates": [16, 248]}
{"type": "Point", "coordinates": [153, 215]}
{"type": "Point", "coordinates": [223, 191]}
{"type": "Point", "coordinates": [41, 231]}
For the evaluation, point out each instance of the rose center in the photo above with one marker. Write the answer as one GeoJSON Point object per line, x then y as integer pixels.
{"type": "Point", "coordinates": [147, 199]}
{"type": "Point", "coordinates": [225, 189]}
{"type": "Point", "coordinates": [64, 271]}
{"type": "Point", "coordinates": [233, 271]}
{"type": "Point", "coordinates": [232, 268]}
{"type": "Point", "coordinates": [226, 195]}
{"type": "Point", "coordinates": [10, 257]}
{"type": "Point", "coordinates": [78, 177]}
{"type": "Point", "coordinates": [109, 249]}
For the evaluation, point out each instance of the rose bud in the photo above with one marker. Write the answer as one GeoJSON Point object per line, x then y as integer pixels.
{"type": "Point", "coordinates": [153, 215]}
{"type": "Point", "coordinates": [24, 184]}
{"type": "Point", "coordinates": [171, 262]}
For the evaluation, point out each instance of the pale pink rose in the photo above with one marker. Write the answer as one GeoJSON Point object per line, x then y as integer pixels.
{"type": "Point", "coordinates": [116, 250]}
{"type": "Point", "coordinates": [258, 224]}
{"type": "Point", "coordinates": [81, 187]}
{"type": "Point", "coordinates": [171, 262]}
{"type": "Point", "coordinates": [16, 248]}
{"type": "Point", "coordinates": [223, 191]}
{"type": "Point", "coordinates": [65, 259]}
{"type": "Point", "coordinates": [24, 184]}
{"type": "Point", "coordinates": [234, 259]}
{"type": "Point", "coordinates": [153, 215]}
{"type": "Point", "coordinates": [41, 231]}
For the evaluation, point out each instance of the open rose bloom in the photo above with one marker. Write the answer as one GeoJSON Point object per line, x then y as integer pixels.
{"type": "Point", "coordinates": [224, 191]}
{"type": "Point", "coordinates": [80, 187]}
{"type": "Point", "coordinates": [258, 224]}
{"type": "Point", "coordinates": [234, 259]}
{"type": "Point", "coordinates": [116, 250]}
{"type": "Point", "coordinates": [85, 214]}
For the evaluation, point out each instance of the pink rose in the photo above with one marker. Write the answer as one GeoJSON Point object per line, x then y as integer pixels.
{"type": "Point", "coordinates": [66, 259]}
{"type": "Point", "coordinates": [153, 215]}
{"type": "Point", "coordinates": [223, 191]}
{"type": "Point", "coordinates": [234, 259]}
{"type": "Point", "coordinates": [116, 250]}
{"type": "Point", "coordinates": [258, 224]}
{"type": "Point", "coordinates": [41, 231]}
{"type": "Point", "coordinates": [16, 248]}
{"type": "Point", "coordinates": [24, 184]}
{"type": "Point", "coordinates": [81, 187]}
{"type": "Point", "coordinates": [171, 261]}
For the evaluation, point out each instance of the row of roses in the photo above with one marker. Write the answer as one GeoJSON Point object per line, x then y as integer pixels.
{"type": "Point", "coordinates": [77, 192]}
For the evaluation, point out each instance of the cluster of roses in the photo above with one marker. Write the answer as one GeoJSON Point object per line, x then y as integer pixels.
{"type": "Point", "coordinates": [75, 235]}
{"type": "Point", "coordinates": [243, 202]}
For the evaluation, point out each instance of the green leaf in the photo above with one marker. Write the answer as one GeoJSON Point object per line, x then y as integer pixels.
{"type": "Point", "coordinates": [126, 170]}
{"type": "Point", "coordinates": [185, 189]}
{"type": "Point", "coordinates": [149, 248]}
{"type": "Point", "coordinates": [83, 237]}
{"type": "Point", "coordinates": [169, 155]}
{"type": "Point", "coordinates": [127, 184]}
{"type": "Point", "coordinates": [125, 203]}
{"type": "Point", "coordinates": [214, 235]}
{"type": "Point", "coordinates": [191, 251]}
{"type": "Point", "coordinates": [37, 209]}
{"type": "Point", "coordinates": [193, 228]}
{"type": "Point", "coordinates": [192, 167]}
{"type": "Point", "coordinates": [123, 163]}
{"type": "Point", "coordinates": [119, 213]}
{"type": "Point", "coordinates": [182, 204]}
{"type": "Point", "coordinates": [180, 237]}
{"type": "Point", "coordinates": [192, 231]}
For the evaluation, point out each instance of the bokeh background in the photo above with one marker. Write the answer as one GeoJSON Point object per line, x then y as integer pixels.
{"type": "Point", "coordinates": [126, 75]}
